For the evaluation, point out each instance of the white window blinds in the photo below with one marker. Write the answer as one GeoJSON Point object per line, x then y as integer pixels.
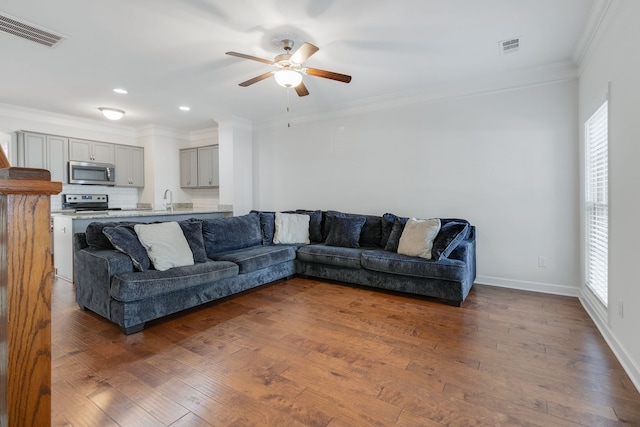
{"type": "Point", "coordinates": [597, 202]}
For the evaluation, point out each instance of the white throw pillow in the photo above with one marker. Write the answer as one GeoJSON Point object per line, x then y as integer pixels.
{"type": "Point", "coordinates": [417, 237]}
{"type": "Point", "coordinates": [291, 228]}
{"type": "Point", "coordinates": [165, 244]}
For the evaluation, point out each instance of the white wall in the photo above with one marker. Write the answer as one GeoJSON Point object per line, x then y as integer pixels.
{"type": "Point", "coordinates": [614, 59]}
{"type": "Point", "coordinates": [506, 161]}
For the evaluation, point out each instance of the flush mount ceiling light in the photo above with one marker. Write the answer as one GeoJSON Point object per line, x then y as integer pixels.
{"type": "Point", "coordinates": [120, 90]}
{"type": "Point", "coordinates": [288, 78]}
{"type": "Point", "coordinates": [184, 108]}
{"type": "Point", "coordinates": [111, 113]}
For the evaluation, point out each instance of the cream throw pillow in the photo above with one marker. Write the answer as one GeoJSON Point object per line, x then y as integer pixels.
{"type": "Point", "coordinates": [291, 228]}
{"type": "Point", "coordinates": [417, 237]}
{"type": "Point", "coordinates": [165, 244]}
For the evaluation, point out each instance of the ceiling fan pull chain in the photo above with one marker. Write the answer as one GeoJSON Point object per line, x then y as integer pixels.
{"type": "Point", "coordinates": [288, 102]}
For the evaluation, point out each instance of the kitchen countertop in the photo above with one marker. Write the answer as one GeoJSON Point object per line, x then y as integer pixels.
{"type": "Point", "coordinates": [140, 213]}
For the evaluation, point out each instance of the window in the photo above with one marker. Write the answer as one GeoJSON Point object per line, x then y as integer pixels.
{"type": "Point", "coordinates": [597, 201]}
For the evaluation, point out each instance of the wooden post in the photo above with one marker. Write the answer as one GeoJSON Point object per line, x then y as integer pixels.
{"type": "Point", "coordinates": [25, 296]}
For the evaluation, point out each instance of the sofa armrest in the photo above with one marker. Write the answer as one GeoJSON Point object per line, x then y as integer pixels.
{"type": "Point", "coordinates": [92, 272]}
{"type": "Point", "coordinates": [466, 251]}
{"type": "Point", "coordinates": [79, 242]}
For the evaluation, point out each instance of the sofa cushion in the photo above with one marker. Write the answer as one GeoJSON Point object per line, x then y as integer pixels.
{"type": "Point", "coordinates": [370, 235]}
{"type": "Point", "coordinates": [125, 239]}
{"type": "Point", "coordinates": [267, 226]}
{"type": "Point", "coordinates": [417, 237]}
{"type": "Point", "coordinates": [291, 228]}
{"type": "Point", "coordinates": [257, 257]}
{"type": "Point", "coordinates": [165, 244]}
{"type": "Point", "coordinates": [151, 283]}
{"type": "Point", "coordinates": [396, 234]}
{"type": "Point", "coordinates": [227, 234]}
{"type": "Point", "coordinates": [345, 231]}
{"type": "Point", "coordinates": [404, 265]}
{"type": "Point", "coordinates": [192, 230]}
{"type": "Point", "coordinates": [330, 255]}
{"type": "Point", "coordinates": [449, 237]}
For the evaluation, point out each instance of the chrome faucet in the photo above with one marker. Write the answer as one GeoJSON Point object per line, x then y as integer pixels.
{"type": "Point", "coordinates": [170, 204]}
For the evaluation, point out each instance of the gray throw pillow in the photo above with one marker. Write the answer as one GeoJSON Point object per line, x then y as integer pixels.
{"type": "Point", "coordinates": [345, 231]}
{"type": "Point", "coordinates": [396, 234]}
{"type": "Point", "coordinates": [125, 240]}
{"type": "Point", "coordinates": [192, 230]}
{"type": "Point", "coordinates": [315, 224]}
{"type": "Point", "coordinates": [386, 226]}
{"type": "Point", "coordinates": [449, 237]}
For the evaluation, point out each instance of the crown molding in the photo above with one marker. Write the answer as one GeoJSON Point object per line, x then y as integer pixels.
{"type": "Point", "coordinates": [162, 131]}
{"type": "Point", "coordinates": [597, 22]}
{"type": "Point", "coordinates": [207, 133]}
{"type": "Point", "coordinates": [484, 85]}
{"type": "Point", "coordinates": [235, 122]}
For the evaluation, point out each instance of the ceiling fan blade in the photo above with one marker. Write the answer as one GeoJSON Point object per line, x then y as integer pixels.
{"type": "Point", "coordinates": [256, 79]}
{"type": "Point", "coordinates": [253, 58]}
{"type": "Point", "coordinates": [303, 53]}
{"type": "Point", "coordinates": [302, 90]}
{"type": "Point", "coordinates": [327, 74]}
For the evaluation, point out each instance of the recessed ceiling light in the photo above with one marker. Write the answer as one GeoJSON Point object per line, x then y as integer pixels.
{"type": "Point", "coordinates": [185, 108]}
{"type": "Point", "coordinates": [120, 90]}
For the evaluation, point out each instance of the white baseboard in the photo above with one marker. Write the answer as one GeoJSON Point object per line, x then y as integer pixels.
{"type": "Point", "coordinates": [599, 316]}
{"type": "Point", "coordinates": [597, 313]}
{"type": "Point", "coordinates": [546, 288]}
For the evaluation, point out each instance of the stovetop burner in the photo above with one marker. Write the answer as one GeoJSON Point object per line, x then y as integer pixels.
{"type": "Point", "coordinates": [87, 202]}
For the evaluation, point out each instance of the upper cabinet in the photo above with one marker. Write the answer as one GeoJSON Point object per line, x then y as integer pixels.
{"type": "Point", "coordinates": [208, 166]}
{"type": "Point", "coordinates": [199, 167]}
{"type": "Point", "coordinates": [129, 162]}
{"type": "Point", "coordinates": [91, 151]}
{"type": "Point", "coordinates": [189, 168]}
{"type": "Point", "coordinates": [51, 152]}
{"type": "Point", "coordinates": [41, 151]}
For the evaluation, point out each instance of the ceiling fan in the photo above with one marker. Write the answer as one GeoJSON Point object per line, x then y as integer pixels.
{"type": "Point", "coordinates": [290, 67]}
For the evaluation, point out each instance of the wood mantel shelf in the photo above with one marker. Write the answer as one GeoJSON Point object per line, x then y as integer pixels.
{"type": "Point", "coordinates": [26, 273]}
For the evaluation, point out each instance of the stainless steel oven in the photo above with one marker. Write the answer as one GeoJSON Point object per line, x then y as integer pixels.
{"type": "Point", "coordinates": [91, 173]}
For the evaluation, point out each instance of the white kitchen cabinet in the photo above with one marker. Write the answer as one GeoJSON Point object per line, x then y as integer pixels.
{"type": "Point", "coordinates": [208, 166]}
{"type": "Point", "coordinates": [91, 151]}
{"type": "Point", "coordinates": [62, 247]}
{"type": "Point", "coordinates": [129, 162]}
{"type": "Point", "coordinates": [189, 168]}
{"type": "Point", "coordinates": [42, 151]}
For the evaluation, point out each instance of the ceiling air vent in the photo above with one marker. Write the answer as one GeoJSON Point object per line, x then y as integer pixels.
{"type": "Point", "coordinates": [13, 26]}
{"type": "Point", "coordinates": [509, 46]}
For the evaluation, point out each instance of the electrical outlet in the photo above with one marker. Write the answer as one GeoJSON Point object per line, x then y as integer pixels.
{"type": "Point", "coordinates": [620, 308]}
{"type": "Point", "coordinates": [542, 261]}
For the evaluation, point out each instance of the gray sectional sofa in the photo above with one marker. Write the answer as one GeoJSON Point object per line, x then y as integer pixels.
{"type": "Point", "coordinates": [114, 279]}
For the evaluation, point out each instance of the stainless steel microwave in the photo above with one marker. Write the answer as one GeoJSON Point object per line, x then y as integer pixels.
{"type": "Point", "coordinates": [91, 173]}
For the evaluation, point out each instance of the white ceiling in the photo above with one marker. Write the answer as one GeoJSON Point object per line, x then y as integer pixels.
{"type": "Point", "coordinates": [168, 53]}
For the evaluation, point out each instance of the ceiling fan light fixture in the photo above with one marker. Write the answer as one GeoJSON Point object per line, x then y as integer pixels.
{"type": "Point", "coordinates": [288, 78]}
{"type": "Point", "coordinates": [111, 113]}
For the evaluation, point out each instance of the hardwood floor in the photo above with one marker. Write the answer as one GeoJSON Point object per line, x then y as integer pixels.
{"type": "Point", "coordinates": [304, 352]}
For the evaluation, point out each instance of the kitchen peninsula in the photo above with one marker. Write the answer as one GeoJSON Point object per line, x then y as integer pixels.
{"type": "Point", "coordinates": [65, 224]}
